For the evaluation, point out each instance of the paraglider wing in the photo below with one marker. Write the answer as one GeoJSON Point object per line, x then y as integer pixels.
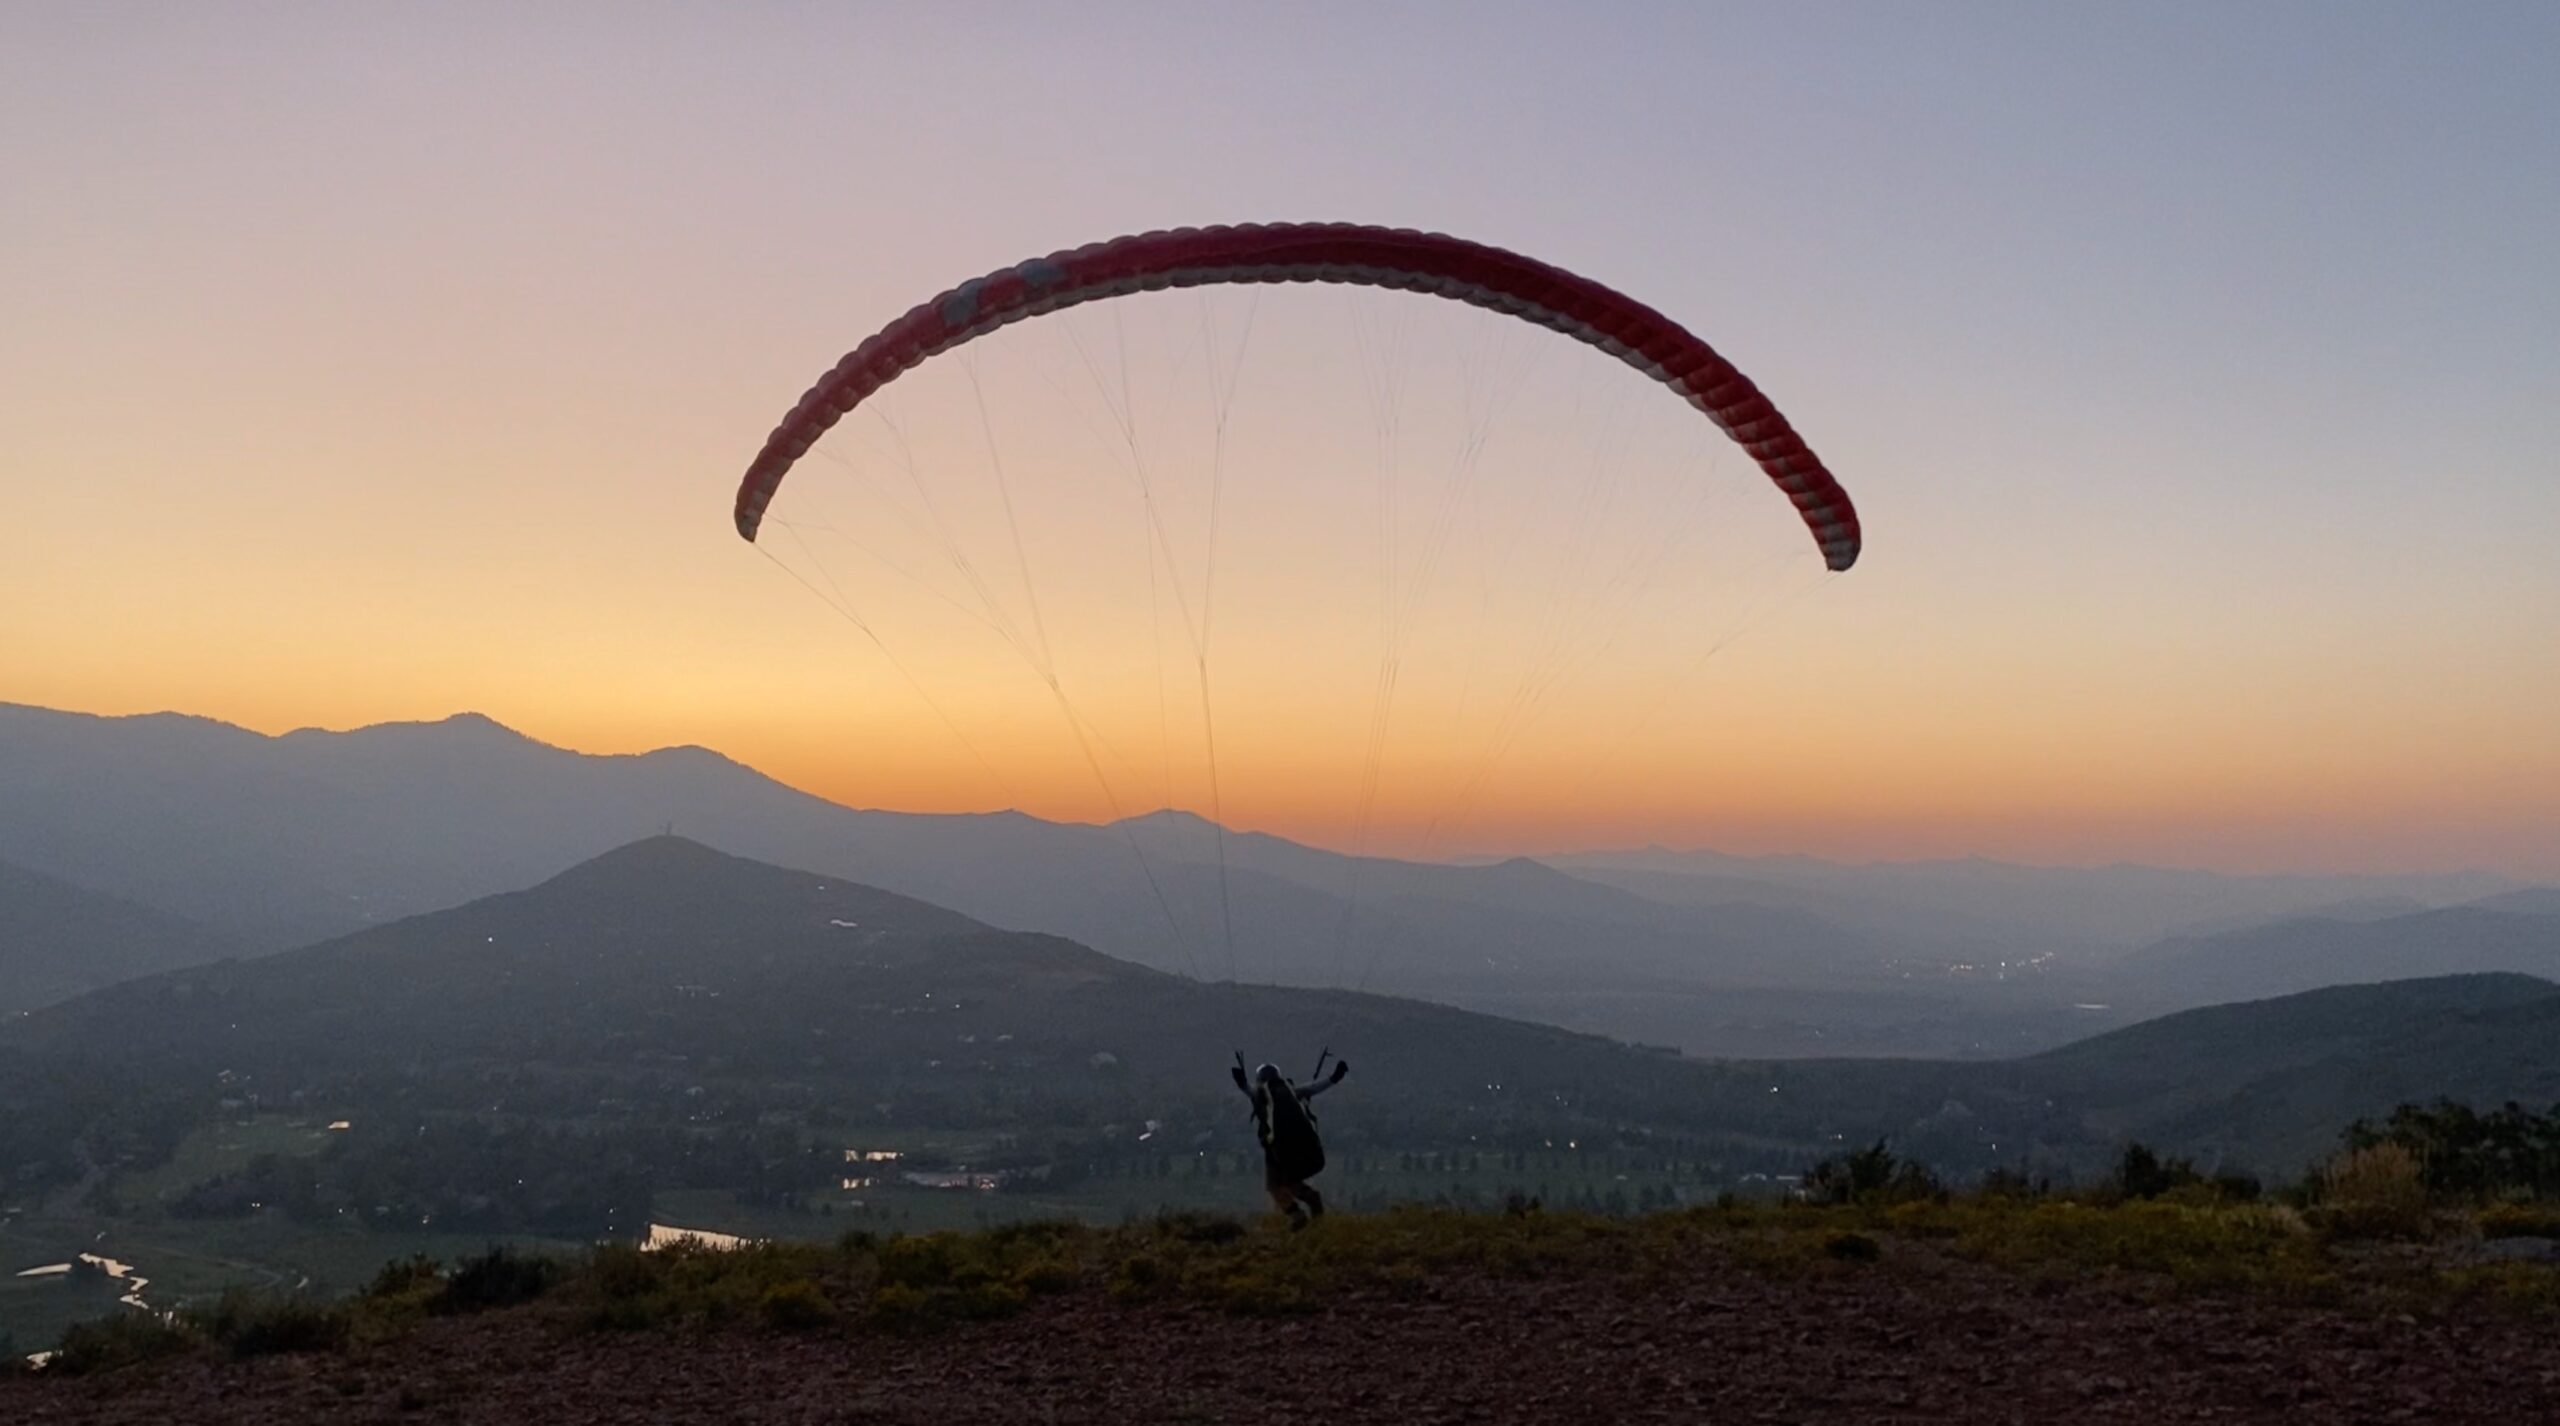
{"type": "Point", "coordinates": [1324, 252]}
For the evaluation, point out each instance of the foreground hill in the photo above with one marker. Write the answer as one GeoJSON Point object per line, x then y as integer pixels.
{"type": "Point", "coordinates": [57, 939]}
{"type": "Point", "coordinates": [2266, 1085]}
{"type": "Point", "coordinates": [669, 984]}
{"type": "Point", "coordinates": [2268, 1082]}
{"type": "Point", "coordinates": [667, 978]}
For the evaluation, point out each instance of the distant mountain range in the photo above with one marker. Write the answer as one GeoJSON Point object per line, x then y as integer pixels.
{"type": "Point", "coordinates": [1997, 905]}
{"type": "Point", "coordinates": [281, 841]}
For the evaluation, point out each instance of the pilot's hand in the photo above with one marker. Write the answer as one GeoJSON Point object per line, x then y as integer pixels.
{"type": "Point", "coordinates": [1340, 1068]}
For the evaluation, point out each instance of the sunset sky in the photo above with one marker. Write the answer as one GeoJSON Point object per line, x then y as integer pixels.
{"type": "Point", "coordinates": [2193, 366]}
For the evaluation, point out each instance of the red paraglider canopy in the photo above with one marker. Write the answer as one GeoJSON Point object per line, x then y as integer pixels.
{"type": "Point", "coordinates": [1324, 252]}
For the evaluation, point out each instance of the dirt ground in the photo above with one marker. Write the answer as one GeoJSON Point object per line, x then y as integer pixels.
{"type": "Point", "coordinates": [1940, 1342]}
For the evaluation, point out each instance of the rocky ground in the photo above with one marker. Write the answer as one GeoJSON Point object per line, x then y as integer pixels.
{"type": "Point", "coordinates": [1919, 1340]}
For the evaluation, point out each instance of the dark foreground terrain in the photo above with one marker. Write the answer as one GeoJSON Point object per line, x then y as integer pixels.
{"type": "Point", "coordinates": [1728, 1329]}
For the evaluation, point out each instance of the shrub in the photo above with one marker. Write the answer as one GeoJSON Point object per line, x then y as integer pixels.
{"type": "Point", "coordinates": [249, 1325]}
{"type": "Point", "coordinates": [1046, 1274]}
{"type": "Point", "coordinates": [120, 1339]}
{"type": "Point", "coordinates": [795, 1306]}
{"type": "Point", "coordinates": [2377, 1191]}
{"type": "Point", "coordinates": [2142, 1173]}
{"type": "Point", "coordinates": [2468, 1153]}
{"type": "Point", "coordinates": [2198, 1247]}
{"type": "Point", "coordinates": [1873, 1174]}
{"type": "Point", "coordinates": [2014, 1185]}
{"type": "Point", "coordinates": [500, 1277]}
{"type": "Point", "coordinates": [2234, 1186]}
{"type": "Point", "coordinates": [1205, 1228]}
{"type": "Point", "coordinates": [1261, 1294]}
{"type": "Point", "coordinates": [899, 1307]}
{"type": "Point", "coordinates": [2520, 1220]}
{"type": "Point", "coordinates": [406, 1277]}
{"type": "Point", "coordinates": [1851, 1248]}
{"type": "Point", "coordinates": [620, 1271]}
{"type": "Point", "coordinates": [1137, 1276]}
{"type": "Point", "coordinates": [942, 1277]}
{"type": "Point", "coordinates": [1038, 1234]}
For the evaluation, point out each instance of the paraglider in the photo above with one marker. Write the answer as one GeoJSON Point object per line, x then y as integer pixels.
{"type": "Point", "coordinates": [1399, 258]}
{"type": "Point", "coordinates": [1284, 1119]}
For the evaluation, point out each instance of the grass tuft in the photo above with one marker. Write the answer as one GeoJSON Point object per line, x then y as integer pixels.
{"type": "Point", "coordinates": [500, 1277]}
{"type": "Point", "coordinates": [253, 1325]}
{"type": "Point", "coordinates": [2375, 1192]}
{"type": "Point", "coordinates": [120, 1339]}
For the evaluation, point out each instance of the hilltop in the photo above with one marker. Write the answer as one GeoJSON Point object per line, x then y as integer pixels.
{"type": "Point", "coordinates": [666, 978]}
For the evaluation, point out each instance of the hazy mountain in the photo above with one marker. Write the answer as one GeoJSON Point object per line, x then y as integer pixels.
{"type": "Point", "coordinates": [2533, 900]}
{"type": "Point", "coordinates": [2367, 908]}
{"type": "Point", "coordinates": [1919, 924]}
{"type": "Point", "coordinates": [2065, 908]}
{"type": "Point", "coordinates": [279, 841]}
{"type": "Point", "coordinates": [2303, 954]}
{"type": "Point", "coordinates": [57, 939]}
{"type": "Point", "coordinates": [313, 834]}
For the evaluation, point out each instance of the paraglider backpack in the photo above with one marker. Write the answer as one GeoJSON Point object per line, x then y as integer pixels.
{"type": "Point", "coordinates": [1288, 1124]}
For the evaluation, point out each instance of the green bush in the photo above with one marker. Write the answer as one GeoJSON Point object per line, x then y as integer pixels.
{"type": "Point", "coordinates": [2520, 1220]}
{"type": "Point", "coordinates": [2467, 1153]}
{"type": "Point", "coordinates": [795, 1306]}
{"type": "Point", "coordinates": [1049, 1273]}
{"type": "Point", "coordinates": [409, 1277]}
{"type": "Point", "coordinates": [121, 1339]}
{"type": "Point", "coordinates": [2208, 1247]}
{"type": "Point", "coordinates": [1208, 1229]}
{"type": "Point", "coordinates": [1873, 1174]}
{"type": "Point", "coordinates": [621, 1271]}
{"type": "Point", "coordinates": [2378, 1191]}
{"type": "Point", "coordinates": [2233, 1186]}
{"type": "Point", "coordinates": [251, 1325]}
{"type": "Point", "coordinates": [500, 1277]}
{"type": "Point", "coordinates": [1261, 1294]}
{"type": "Point", "coordinates": [2141, 1172]}
{"type": "Point", "coordinates": [1851, 1248]}
{"type": "Point", "coordinates": [1138, 1276]}
{"type": "Point", "coordinates": [899, 1307]}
